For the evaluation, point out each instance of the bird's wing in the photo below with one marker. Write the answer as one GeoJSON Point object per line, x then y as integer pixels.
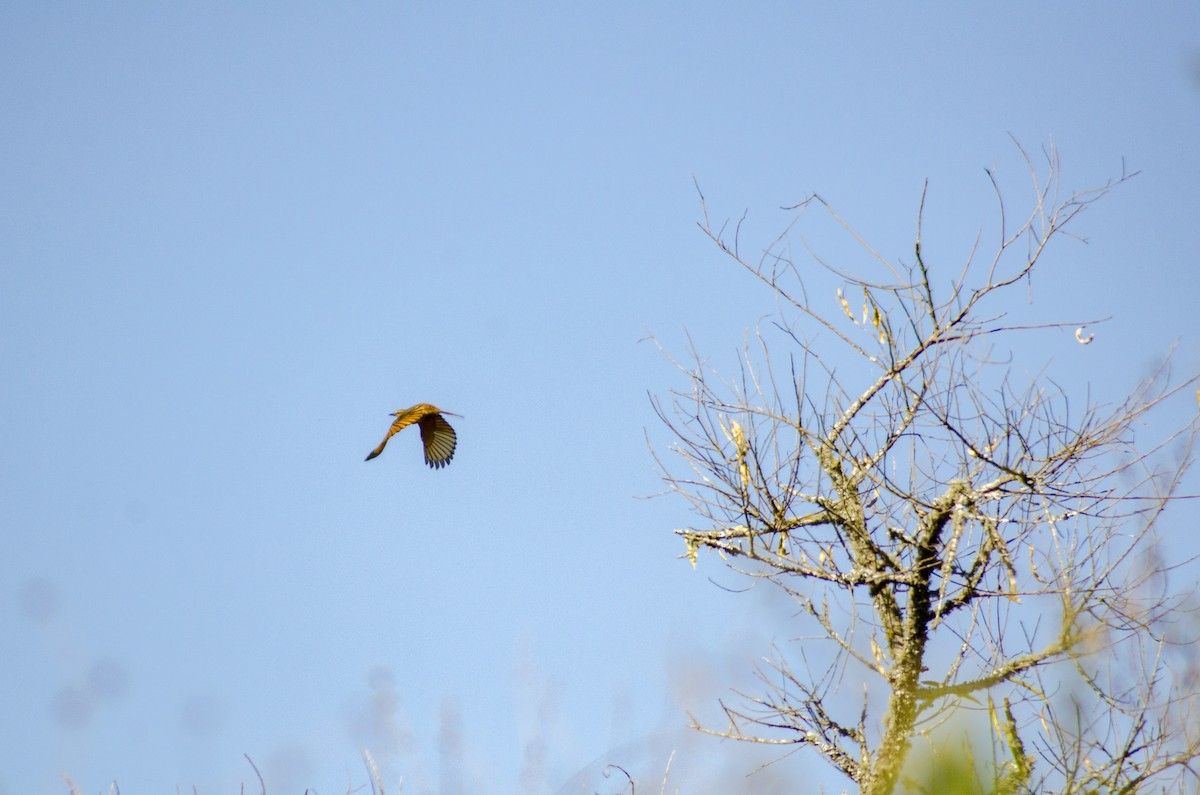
{"type": "Point", "coordinates": [403, 420]}
{"type": "Point", "coordinates": [439, 440]}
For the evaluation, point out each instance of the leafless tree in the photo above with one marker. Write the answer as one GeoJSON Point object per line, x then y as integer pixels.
{"type": "Point", "coordinates": [956, 534]}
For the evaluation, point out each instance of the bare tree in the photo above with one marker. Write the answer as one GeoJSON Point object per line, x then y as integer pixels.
{"type": "Point", "coordinates": [956, 534]}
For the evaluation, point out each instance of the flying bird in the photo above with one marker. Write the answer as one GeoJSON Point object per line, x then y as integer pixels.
{"type": "Point", "coordinates": [437, 436]}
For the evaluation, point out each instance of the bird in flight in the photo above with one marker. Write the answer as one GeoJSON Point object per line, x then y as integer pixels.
{"type": "Point", "coordinates": [437, 436]}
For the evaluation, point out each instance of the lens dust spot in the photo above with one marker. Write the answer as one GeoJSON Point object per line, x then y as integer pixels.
{"type": "Point", "coordinates": [38, 600]}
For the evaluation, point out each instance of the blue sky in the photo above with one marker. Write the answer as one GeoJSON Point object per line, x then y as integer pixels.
{"type": "Point", "coordinates": [236, 236]}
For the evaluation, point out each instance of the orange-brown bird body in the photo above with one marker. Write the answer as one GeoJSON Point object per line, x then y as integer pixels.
{"type": "Point", "coordinates": [437, 436]}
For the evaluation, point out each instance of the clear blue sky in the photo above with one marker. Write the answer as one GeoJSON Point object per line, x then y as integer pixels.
{"type": "Point", "coordinates": [234, 236]}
